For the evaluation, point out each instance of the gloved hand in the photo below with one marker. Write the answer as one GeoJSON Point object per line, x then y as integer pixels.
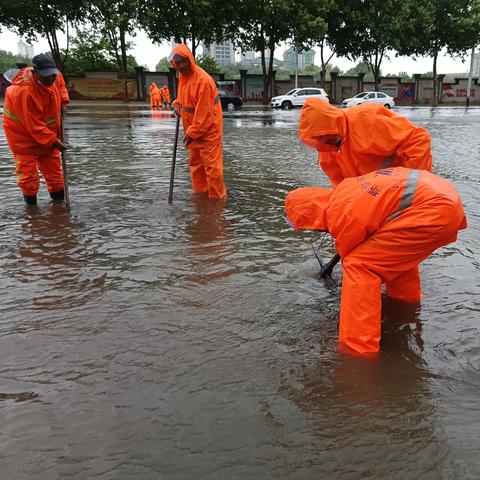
{"type": "Point", "coordinates": [61, 146]}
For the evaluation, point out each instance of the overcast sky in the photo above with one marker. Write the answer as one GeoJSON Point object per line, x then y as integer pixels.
{"type": "Point", "coordinates": [149, 54]}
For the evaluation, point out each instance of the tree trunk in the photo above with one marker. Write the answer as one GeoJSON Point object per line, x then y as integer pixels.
{"type": "Point", "coordinates": [434, 94]}
{"type": "Point", "coordinates": [54, 48]}
{"type": "Point", "coordinates": [124, 69]}
{"type": "Point", "coordinates": [323, 68]}
{"type": "Point", "coordinates": [267, 75]}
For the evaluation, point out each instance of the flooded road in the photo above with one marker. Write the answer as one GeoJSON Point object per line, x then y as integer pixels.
{"type": "Point", "coordinates": [194, 341]}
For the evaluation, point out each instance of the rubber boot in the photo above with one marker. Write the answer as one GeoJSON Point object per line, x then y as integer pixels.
{"type": "Point", "coordinates": [57, 196]}
{"type": "Point", "coordinates": [30, 199]}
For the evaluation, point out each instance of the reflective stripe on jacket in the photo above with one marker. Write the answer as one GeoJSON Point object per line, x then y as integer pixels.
{"type": "Point", "coordinates": [360, 206]}
{"type": "Point", "coordinates": [32, 120]}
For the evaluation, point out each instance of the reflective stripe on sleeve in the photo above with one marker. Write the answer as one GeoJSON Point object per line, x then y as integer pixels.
{"type": "Point", "coordinates": [11, 115]}
{"type": "Point", "coordinates": [408, 193]}
{"type": "Point", "coordinates": [216, 99]}
{"type": "Point", "coordinates": [50, 121]}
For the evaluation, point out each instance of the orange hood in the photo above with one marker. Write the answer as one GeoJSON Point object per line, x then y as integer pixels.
{"type": "Point", "coordinates": [24, 76]}
{"type": "Point", "coordinates": [305, 207]}
{"type": "Point", "coordinates": [318, 117]}
{"type": "Point", "coordinates": [182, 50]}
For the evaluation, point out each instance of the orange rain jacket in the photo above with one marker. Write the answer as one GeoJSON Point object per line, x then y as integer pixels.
{"type": "Point", "coordinates": [31, 117]}
{"type": "Point", "coordinates": [198, 102]}
{"type": "Point", "coordinates": [155, 95]}
{"type": "Point", "coordinates": [166, 94]}
{"type": "Point", "coordinates": [384, 223]}
{"type": "Point", "coordinates": [373, 137]}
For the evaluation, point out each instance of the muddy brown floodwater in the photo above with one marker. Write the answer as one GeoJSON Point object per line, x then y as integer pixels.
{"type": "Point", "coordinates": [194, 341]}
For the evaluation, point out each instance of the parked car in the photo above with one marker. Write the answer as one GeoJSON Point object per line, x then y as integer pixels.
{"type": "Point", "coordinates": [369, 97]}
{"type": "Point", "coordinates": [229, 100]}
{"type": "Point", "coordinates": [297, 97]}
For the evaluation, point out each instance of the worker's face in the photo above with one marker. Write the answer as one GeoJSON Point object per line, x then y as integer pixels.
{"type": "Point", "coordinates": [182, 65]}
{"type": "Point", "coordinates": [46, 81]}
{"type": "Point", "coordinates": [328, 143]}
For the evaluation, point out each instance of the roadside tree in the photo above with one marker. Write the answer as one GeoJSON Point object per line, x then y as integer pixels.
{"type": "Point", "coordinates": [43, 18]}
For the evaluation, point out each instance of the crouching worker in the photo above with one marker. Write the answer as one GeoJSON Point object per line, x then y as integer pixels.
{"type": "Point", "coordinates": [384, 223]}
{"type": "Point", "coordinates": [31, 120]}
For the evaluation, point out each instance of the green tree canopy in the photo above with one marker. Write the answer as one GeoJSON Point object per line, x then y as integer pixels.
{"type": "Point", "coordinates": [441, 25]}
{"type": "Point", "coordinates": [187, 20]}
{"type": "Point", "coordinates": [116, 19]}
{"type": "Point", "coordinates": [44, 18]}
{"type": "Point", "coordinates": [209, 64]}
{"type": "Point", "coordinates": [91, 51]}
{"type": "Point", "coordinates": [9, 60]}
{"type": "Point", "coordinates": [163, 65]}
{"type": "Point", "coordinates": [370, 29]}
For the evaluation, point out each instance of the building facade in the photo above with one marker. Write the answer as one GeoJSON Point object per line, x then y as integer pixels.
{"type": "Point", "coordinates": [24, 49]}
{"type": "Point", "coordinates": [223, 53]}
{"type": "Point", "coordinates": [476, 64]}
{"type": "Point", "coordinates": [305, 57]}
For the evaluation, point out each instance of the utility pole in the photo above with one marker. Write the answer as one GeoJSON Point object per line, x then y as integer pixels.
{"type": "Point", "coordinates": [469, 83]}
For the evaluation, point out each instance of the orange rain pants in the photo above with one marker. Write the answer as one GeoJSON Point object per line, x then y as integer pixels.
{"type": "Point", "coordinates": [31, 121]}
{"type": "Point", "coordinates": [385, 223]}
{"type": "Point", "coordinates": [372, 137]}
{"type": "Point", "coordinates": [202, 118]}
{"type": "Point", "coordinates": [26, 169]}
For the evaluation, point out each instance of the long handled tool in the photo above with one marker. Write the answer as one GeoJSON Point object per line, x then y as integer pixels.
{"type": "Point", "coordinates": [174, 158]}
{"type": "Point", "coordinates": [64, 168]}
{"type": "Point", "coordinates": [326, 268]}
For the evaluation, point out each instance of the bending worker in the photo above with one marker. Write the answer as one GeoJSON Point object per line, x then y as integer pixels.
{"type": "Point", "coordinates": [385, 223]}
{"type": "Point", "coordinates": [199, 105]}
{"type": "Point", "coordinates": [361, 139]}
{"type": "Point", "coordinates": [32, 123]}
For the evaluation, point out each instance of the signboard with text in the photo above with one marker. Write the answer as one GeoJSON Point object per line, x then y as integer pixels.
{"type": "Point", "coordinates": [100, 89]}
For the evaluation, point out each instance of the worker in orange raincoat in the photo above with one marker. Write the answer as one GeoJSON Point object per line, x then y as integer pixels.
{"type": "Point", "coordinates": [155, 96]}
{"type": "Point", "coordinates": [166, 96]}
{"type": "Point", "coordinates": [199, 105]}
{"type": "Point", "coordinates": [361, 139]}
{"type": "Point", "coordinates": [384, 223]}
{"type": "Point", "coordinates": [32, 124]}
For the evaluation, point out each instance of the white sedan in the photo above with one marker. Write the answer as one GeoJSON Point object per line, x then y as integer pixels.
{"type": "Point", "coordinates": [369, 97]}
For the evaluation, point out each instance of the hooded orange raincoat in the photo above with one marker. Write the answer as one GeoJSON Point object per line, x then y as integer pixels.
{"type": "Point", "coordinates": [32, 124]}
{"type": "Point", "coordinates": [155, 95]}
{"type": "Point", "coordinates": [372, 137]}
{"type": "Point", "coordinates": [166, 95]}
{"type": "Point", "coordinates": [385, 223]}
{"type": "Point", "coordinates": [202, 119]}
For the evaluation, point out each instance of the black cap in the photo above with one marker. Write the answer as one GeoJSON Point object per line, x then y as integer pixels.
{"type": "Point", "coordinates": [44, 65]}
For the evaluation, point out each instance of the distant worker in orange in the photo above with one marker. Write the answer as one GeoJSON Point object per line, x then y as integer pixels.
{"type": "Point", "coordinates": [166, 97]}
{"type": "Point", "coordinates": [361, 139]}
{"type": "Point", "coordinates": [32, 124]}
{"type": "Point", "coordinates": [155, 96]}
{"type": "Point", "coordinates": [384, 223]}
{"type": "Point", "coordinates": [199, 105]}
